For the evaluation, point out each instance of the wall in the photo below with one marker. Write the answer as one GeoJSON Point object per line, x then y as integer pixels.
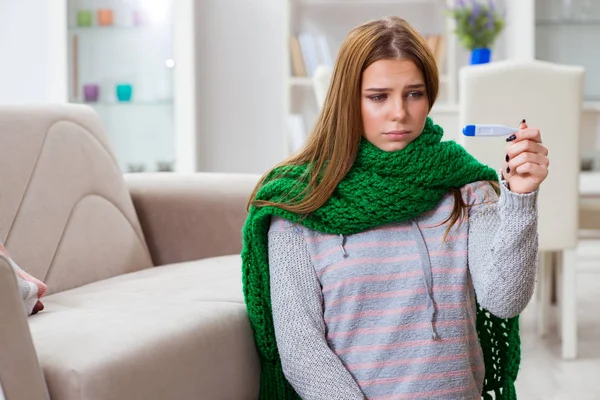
{"type": "Point", "coordinates": [520, 29]}
{"type": "Point", "coordinates": [239, 84]}
{"type": "Point", "coordinates": [33, 51]}
{"type": "Point", "coordinates": [184, 83]}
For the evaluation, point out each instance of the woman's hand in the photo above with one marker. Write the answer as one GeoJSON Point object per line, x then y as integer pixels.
{"type": "Point", "coordinates": [526, 162]}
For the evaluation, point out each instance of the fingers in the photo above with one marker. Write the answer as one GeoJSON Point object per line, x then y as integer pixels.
{"type": "Point", "coordinates": [526, 134]}
{"type": "Point", "coordinates": [536, 171]}
{"type": "Point", "coordinates": [523, 125]}
{"type": "Point", "coordinates": [525, 151]}
{"type": "Point", "coordinates": [525, 146]}
{"type": "Point", "coordinates": [527, 158]}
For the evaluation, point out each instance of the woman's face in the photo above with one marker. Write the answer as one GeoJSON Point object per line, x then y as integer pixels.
{"type": "Point", "coordinates": [394, 104]}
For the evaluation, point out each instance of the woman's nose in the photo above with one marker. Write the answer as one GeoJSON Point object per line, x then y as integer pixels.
{"type": "Point", "coordinates": [398, 110]}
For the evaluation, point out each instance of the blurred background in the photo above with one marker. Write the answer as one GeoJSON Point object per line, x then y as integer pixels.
{"type": "Point", "coordinates": [236, 85]}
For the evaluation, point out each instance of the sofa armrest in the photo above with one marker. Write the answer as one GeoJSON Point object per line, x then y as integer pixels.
{"type": "Point", "coordinates": [188, 217]}
{"type": "Point", "coordinates": [20, 373]}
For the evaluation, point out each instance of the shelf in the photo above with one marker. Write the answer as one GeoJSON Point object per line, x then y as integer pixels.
{"type": "Point", "coordinates": [301, 81]}
{"type": "Point", "coordinates": [364, 2]}
{"type": "Point", "coordinates": [591, 106]}
{"type": "Point", "coordinates": [112, 28]}
{"type": "Point", "coordinates": [157, 103]}
{"type": "Point", "coordinates": [568, 22]}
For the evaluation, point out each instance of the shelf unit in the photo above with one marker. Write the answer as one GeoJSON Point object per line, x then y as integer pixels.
{"type": "Point", "coordinates": [149, 103]}
{"type": "Point", "coordinates": [540, 37]}
{"type": "Point", "coordinates": [333, 19]}
{"type": "Point", "coordinates": [110, 28]}
{"type": "Point", "coordinates": [362, 2]}
{"type": "Point", "coordinates": [568, 33]}
{"type": "Point", "coordinates": [567, 22]}
{"type": "Point", "coordinates": [127, 51]}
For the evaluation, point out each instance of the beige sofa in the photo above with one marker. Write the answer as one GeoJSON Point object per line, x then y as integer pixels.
{"type": "Point", "coordinates": [143, 271]}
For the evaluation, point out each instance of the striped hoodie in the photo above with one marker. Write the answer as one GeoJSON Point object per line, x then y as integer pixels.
{"type": "Point", "coordinates": [390, 313]}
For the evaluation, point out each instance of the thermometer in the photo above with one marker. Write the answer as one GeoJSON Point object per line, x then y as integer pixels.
{"type": "Point", "coordinates": [488, 130]}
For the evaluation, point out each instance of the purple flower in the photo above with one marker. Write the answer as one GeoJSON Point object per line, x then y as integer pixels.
{"type": "Point", "coordinates": [490, 16]}
{"type": "Point", "coordinates": [475, 14]}
{"type": "Point", "coordinates": [477, 9]}
{"type": "Point", "coordinates": [490, 22]}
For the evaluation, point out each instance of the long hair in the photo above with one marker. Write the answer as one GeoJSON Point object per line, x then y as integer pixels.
{"type": "Point", "coordinates": [333, 145]}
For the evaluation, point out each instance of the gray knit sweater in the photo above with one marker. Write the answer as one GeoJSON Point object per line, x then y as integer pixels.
{"type": "Point", "coordinates": [390, 313]}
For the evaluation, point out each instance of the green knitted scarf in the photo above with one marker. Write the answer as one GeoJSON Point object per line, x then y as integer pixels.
{"type": "Point", "coordinates": [380, 188]}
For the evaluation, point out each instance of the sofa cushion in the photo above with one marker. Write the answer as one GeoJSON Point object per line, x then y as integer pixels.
{"type": "Point", "coordinates": [173, 332]}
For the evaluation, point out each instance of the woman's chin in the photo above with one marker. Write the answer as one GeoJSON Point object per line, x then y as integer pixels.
{"type": "Point", "coordinates": [391, 146]}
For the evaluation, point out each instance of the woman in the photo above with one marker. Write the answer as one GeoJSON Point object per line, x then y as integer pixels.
{"type": "Point", "coordinates": [380, 262]}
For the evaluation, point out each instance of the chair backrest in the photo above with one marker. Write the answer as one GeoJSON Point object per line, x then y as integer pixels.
{"type": "Point", "coordinates": [549, 97]}
{"type": "Point", "coordinates": [66, 216]}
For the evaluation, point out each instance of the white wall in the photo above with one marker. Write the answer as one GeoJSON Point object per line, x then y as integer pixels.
{"type": "Point", "coordinates": [33, 51]}
{"type": "Point", "coordinates": [240, 60]}
{"type": "Point", "coordinates": [520, 30]}
{"type": "Point", "coordinates": [185, 109]}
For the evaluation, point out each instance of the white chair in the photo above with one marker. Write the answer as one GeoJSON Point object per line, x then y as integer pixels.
{"type": "Point", "coordinates": [549, 97]}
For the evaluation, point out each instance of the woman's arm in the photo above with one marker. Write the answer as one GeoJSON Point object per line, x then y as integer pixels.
{"type": "Point", "coordinates": [310, 366]}
{"type": "Point", "coordinates": [503, 249]}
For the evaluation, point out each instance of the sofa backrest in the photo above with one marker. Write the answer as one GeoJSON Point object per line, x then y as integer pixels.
{"type": "Point", "coordinates": [66, 216]}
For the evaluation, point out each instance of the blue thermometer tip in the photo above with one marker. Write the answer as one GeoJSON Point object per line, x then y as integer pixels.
{"type": "Point", "coordinates": [469, 130]}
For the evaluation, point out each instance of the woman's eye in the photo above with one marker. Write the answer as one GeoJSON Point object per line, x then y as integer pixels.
{"type": "Point", "coordinates": [415, 95]}
{"type": "Point", "coordinates": [378, 97]}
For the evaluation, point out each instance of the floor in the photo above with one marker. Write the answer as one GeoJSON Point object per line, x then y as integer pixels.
{"type": "Point", "coordinates": [544, 375]}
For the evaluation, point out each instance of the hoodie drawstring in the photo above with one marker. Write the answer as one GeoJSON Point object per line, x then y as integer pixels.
{"type": "Point", "coordinates": [342, 241]}
{"type": "Point", "coordinates": [427, 274]}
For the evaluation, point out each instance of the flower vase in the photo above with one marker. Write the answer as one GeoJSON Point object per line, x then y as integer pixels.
{"type": "Point", "coordinates": [481, 56]}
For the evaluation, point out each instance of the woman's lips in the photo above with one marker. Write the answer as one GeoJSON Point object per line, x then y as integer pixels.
{"type": "Point", "coordinates": [397, 134]}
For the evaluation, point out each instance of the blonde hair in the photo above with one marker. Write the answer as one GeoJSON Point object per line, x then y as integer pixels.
{"type": "Point", "coordinates": [333, 145]}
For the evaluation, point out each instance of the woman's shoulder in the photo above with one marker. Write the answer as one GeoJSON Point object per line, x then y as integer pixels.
{"type": "Point", "coordinates": [281, 225]}
{"type": "Point", "coordinates": [480, 192]}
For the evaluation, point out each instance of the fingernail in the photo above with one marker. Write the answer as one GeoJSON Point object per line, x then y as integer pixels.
{"type": "Point", "coordinates": [508, 170]}
{"type": "Point", "coordinates": [507, 158]}
{"type": "Point", "coordinates": [523, 121]}
{"type": "Point", "coordinates": [511, 138]}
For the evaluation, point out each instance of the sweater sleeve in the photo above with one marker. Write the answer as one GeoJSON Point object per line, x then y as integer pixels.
{"type": "Point", "coordinates": [309, 365]}
{"type": "Point", "coordinates": [502, 251]}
